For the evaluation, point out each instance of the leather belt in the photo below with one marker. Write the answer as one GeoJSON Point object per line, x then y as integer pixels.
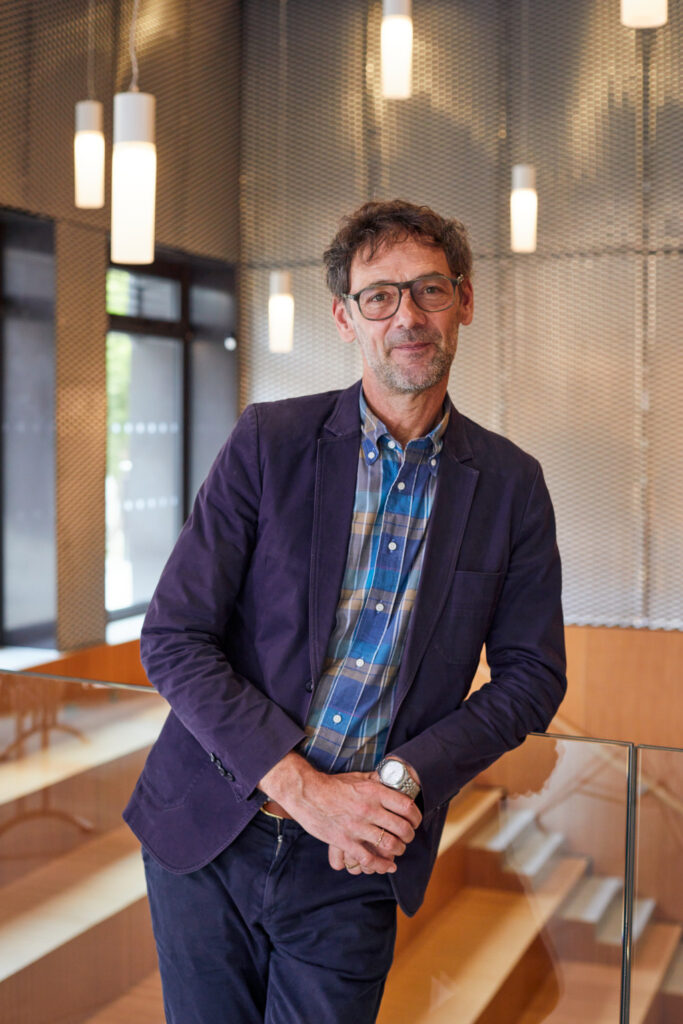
{"type": "Point", "coordinates": [273, 808]}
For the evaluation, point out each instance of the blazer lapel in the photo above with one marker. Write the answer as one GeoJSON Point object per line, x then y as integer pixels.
{"type": "Point", "coordinates": [335, 493]}
{"type": "Point", "coordinates": [452, 502]}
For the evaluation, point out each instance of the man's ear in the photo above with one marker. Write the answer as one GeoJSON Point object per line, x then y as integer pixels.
{"type": "Point", "coordinates": [466, 303]}
{"type": "Point", "coordinates": [342, 319]}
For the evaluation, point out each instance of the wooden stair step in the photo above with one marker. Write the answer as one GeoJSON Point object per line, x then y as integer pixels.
{"type": "Point", "coordinates": [673, 982]}
{"type": "Point", "coordinates": [466, 811]}
{"type": "Point", "coordinates": [533, 852]}
{"type": "Point", "coordinates": [142, 1004]}
{"type": "Point", "coordinates": [73, 755]}
{"type": "Point", "coordinates": [591, 899]}
{"type": "Point", "coordinates": [54, 904]}
{"type": "Point", "coordinates": [452, 969]}
{"type": "Point", "coordinates": [591, 991]}
{"type": "Point", "coordinates": [610, 928]}
{"type": "Point", "coordinates": [503, 830]}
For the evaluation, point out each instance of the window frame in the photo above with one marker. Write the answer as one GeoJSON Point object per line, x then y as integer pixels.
{"type": "Point", "coordinates": [188, 271]}
{"type": "Point", "coordinates": [39, 232]}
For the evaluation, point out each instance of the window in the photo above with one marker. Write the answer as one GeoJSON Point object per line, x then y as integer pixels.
{"type": "Point", "coordinates": [172, 401]}
{"type": "Point", "coordinates": [27, 475]}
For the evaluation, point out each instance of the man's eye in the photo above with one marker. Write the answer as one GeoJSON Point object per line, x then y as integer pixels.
{"type": "Point", "coordinates": [433, 288]}
{"type": "Point", "coordinates": [377, 297]}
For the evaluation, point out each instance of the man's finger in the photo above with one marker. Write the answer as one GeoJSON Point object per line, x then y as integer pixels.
{"type": "Point", "coordinates": [401, 805]}
{"type": "Point", "coordinates": [336, 858]}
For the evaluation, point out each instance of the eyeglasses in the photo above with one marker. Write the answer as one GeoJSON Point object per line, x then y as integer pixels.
{"type": "Point", "coordinates": [431, 294]}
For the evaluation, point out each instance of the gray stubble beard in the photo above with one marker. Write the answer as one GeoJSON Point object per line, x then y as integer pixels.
{"type": "Point", "coordinates": [397, 380]}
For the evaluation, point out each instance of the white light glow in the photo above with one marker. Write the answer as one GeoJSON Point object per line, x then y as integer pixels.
{"type": "Point", "coordinates": [89, 156]}
{"type": "Point", "coordinates": [280, 312]}
{"type": "Point", "coordinates": [644, 13]}
{"type": "Point", "coordinates": [134, 171]}
{"type": "Point", "coordinates": [397, 50]}
{"type": "Point", "coordinates": [523, 209]}
{"type": "Point", "coordinates": [89, 170]}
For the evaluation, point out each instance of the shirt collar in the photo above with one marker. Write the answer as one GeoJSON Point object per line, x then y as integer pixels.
{"type": "Point", "coordinates": [376, 436]}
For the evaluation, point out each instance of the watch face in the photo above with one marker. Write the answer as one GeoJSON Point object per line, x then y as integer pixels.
{"type": "Point", "coordinates": [392, 773]}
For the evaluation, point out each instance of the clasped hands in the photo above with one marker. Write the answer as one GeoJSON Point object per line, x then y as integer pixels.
{"type": "Point", "coordinates": [365, 824]}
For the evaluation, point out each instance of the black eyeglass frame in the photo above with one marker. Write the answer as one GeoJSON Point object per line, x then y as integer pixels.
{"type": "Point", "coordinates": [402, 285]}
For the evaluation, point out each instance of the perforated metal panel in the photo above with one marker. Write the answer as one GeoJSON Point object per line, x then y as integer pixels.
{"type": "Point", "coordinates": [189, 57]}
{"type": "Point", "coordinates": [574, 351]}
{"type": "Point", "coordinates": [81, 412]}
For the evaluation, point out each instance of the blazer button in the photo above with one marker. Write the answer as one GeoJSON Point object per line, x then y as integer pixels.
{"type": "Point", "coordinates": [212, 758]}
{"type": "Point", "coordinates": [309, 686]}
{"type": "Point", "coordinates": [229, 776]}
{"type": "Point", "coordinates": [221, 770]}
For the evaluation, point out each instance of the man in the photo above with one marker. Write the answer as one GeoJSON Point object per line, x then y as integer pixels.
{"type": "Point", "coordinates": [316, 632]}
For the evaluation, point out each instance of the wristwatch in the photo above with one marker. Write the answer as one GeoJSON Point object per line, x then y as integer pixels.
{"type": "Point", "coordinates": [393, 773]}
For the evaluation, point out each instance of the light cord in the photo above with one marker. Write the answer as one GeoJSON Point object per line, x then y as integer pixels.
{"type": "Point", "coordinates": [133, 87]}
{"type": "Point", "coordinates": [91, 50]}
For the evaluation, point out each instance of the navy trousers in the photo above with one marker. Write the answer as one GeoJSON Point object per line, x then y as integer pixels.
{"type": "Point", "coordinates": [268, 932]}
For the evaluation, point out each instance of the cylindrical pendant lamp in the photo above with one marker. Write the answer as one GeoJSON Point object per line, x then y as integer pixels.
{"type": "Point", "coordinates": [644, 13]}
{"type": "Point", "coordinates": [134, 172]}
{"type": "Point", "coordinates": [523, 208]}
{"type": "Point", "coordinates": [280, 312]}
{"type": "Point", "coordinates": [89, 156]}
{"type": "Point", "coordinates": [397, 49]}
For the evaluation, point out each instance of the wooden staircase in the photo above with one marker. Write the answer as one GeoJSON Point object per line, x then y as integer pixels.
{"type": "Point", "coordinates": [74, 919]}
{"type": "Point", "coordinates": [522, 932]}
{"type": "Point", "coordinates": [514, 929]}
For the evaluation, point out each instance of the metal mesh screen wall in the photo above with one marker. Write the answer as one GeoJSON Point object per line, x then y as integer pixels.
{"type": "Point", "coordinates": [575, 350]}
{"type": "Point", "coordinates": [189, 57]}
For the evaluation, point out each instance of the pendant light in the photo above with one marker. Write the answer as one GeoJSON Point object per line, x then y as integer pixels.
{"type": "Point", "coordinates": [280, 312]}
{"type": "Point", "coordinates": [89, 138]}
{"type": "Point", "coordinates": [134, 169]}
{"type": "Point", "coordinates": [523, 208]}
{"type": "Point", "coordinates": [523, 196]}
{"type": "Point", "coordinates": [280, 297]}
{"type": "Point", "coordinates": [644, 13]}
{"type": "Point", "coordinates": [397, 49]}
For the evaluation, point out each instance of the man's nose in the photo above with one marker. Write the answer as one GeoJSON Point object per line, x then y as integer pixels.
{"type": "Point", "coordinates": [408, 312]}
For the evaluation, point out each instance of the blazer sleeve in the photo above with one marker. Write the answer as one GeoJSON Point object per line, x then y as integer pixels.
{"type": "Point", "coordinates": [245, 731]}
{"type": "Point", "coordinates": [526, 657]}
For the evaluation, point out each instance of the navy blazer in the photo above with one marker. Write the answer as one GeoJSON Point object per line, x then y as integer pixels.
{"type": "Point", "coordinates": [237, 630]}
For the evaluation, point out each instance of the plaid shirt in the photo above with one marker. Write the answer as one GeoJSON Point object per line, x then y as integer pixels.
{"type": "Point", "coordinates": [349, 717]}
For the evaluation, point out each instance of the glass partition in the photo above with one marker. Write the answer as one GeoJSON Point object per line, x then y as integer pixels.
{"type": "Point", "coordinates": [524, 916]}
{"type": "Point", "coordinates": [532, 913]}
{"type": "Point", "coordinates": [74, 923]}
{"type": "Point", "coordinates": [657, 957]}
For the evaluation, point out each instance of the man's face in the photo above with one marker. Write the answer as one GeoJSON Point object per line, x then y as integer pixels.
{"type": "Point", "coordinates": [413, 350]}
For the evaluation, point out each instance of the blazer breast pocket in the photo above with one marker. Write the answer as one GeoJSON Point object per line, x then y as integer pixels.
{"type": "Point", "coordinates": [467, 614]}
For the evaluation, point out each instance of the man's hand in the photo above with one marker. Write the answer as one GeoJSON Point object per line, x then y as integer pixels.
{"type": "Point", "coordinates": [365, 824]}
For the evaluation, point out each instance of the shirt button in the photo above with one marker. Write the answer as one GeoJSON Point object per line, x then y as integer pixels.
{"type": "Point", "coordinates": [391, 444]}
{"type": "Point", "coordinates": [336, 719]}
{"type": "Point", "coordinates": [392, 545]}
{"type": "Point", "coordinates": [432, 462]}
{"type": "Point", "coordinates": [401, 486]}
{"type": "Point", "coordinates": [359, 662]}
{"type": "Point", "coordinates": [371, 455]}
{"type": "Point", "coordinates": [379, 607]}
